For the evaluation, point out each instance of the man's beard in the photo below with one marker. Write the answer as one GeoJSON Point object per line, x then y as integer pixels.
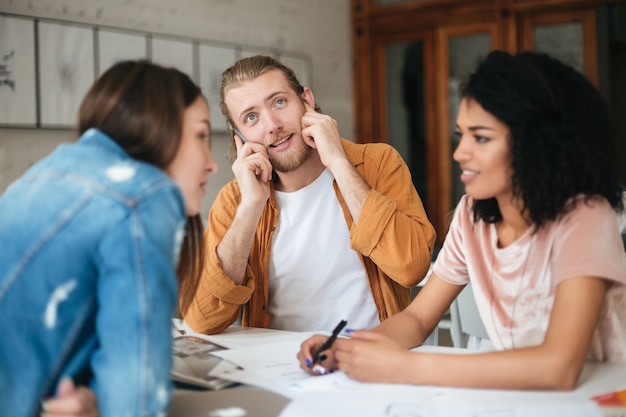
{"type": "Point", "coordinates": [292, 159]}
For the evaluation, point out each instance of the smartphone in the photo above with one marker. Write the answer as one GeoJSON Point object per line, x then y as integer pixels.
{"type": "Point", "coordinates": [238, 133]}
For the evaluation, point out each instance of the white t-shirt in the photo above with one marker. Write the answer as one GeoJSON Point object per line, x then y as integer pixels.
{"type": "Point", "coordinates": [315, 279]}
{"type": "Point", "coordinates": [524, 275]}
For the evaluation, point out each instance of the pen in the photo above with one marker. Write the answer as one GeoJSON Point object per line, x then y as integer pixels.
{"type": "Point", "coordinates": [329, 341]}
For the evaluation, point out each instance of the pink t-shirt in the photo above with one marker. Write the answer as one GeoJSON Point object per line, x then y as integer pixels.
{"type": "Point", "coordinates": [524, 275]}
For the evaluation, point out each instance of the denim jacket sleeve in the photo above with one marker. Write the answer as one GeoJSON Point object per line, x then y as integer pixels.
{"type": "Point", "coordinates": [137, 293]}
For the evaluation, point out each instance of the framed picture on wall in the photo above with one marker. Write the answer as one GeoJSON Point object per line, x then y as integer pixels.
{"type": "Point", "coordinates": [213, 61]}
{"type": "Point", "coordinates": [18, 94]}
{"type": "Point", "coordinates": [66, 71]}
{"type": "Point", "coordinates": [116, 46]}
{"type": "Point", "coordinates": [174, 53]}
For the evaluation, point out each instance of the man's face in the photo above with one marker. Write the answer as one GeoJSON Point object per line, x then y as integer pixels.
{"type": "Point", "coordinates": [268, 111]}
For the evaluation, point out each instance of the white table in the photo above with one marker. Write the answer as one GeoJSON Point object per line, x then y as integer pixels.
{"type": "Point", "coordinates": [596, 378]}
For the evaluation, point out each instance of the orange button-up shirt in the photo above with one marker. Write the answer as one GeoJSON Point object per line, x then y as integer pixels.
{"type": "Point", "coordinates": [393, 238]}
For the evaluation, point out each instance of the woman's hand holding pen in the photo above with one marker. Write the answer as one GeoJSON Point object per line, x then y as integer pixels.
{"type": "Point", "coordinates": [308, 349]}
{"type": "Point", "coordinates": [366, 356]}
{"type": "Point", "coordinates": [369, 356]}
{"type": "Point", "coordinates": [319, 354]}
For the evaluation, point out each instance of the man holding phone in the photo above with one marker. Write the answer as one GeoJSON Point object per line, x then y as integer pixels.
{"type": "Point", "coordinates": [314, 227]}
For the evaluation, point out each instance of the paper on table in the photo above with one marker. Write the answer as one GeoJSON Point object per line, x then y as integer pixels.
{"type": "Point", "coordinates": [365, 402]}
{"type": "Point", "coordinates": [503, 403]}
{"type": "Point", "coordinates": [263, 356]}
{"type": "Point", "coordinates": [239, 337]}
{"type": "Point", "coordinates": [400, 400]}
{"type": "Point", "coordinates": [275, 367]}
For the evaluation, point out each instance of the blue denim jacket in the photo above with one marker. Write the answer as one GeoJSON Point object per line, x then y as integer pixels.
{"type": "Point", "coordinates": [89, 240]}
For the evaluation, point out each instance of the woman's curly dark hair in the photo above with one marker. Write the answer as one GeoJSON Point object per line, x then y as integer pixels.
{"type": "Point", "coordinates": [561, 133]}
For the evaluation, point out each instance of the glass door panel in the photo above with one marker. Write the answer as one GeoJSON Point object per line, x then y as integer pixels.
{"type": "Point", "coordinates": [405, 92]}
{"type": "Point", "coordinates": [612, 68]}
{"type": "Point", "coordinates": [570, 36]}
{"type": "Point", "coordinates": [464, 53]}
{"type": "Point", "coordinates": [563, 41]}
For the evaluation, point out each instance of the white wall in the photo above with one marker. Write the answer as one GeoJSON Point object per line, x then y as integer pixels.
{"type": "Point", "coordinates": [319, 28]}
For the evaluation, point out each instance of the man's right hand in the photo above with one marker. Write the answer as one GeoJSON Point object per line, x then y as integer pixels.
{"type": "Point", "coordinates": [253, 172]}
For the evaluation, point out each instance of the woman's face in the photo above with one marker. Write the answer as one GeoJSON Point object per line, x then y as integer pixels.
{"type": "Point", "coordinates": [193, 161]}
{"type": "Point", "coordinates": [483, 152]}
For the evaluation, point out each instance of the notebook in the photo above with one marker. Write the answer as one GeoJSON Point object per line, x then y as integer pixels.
{"type": "Point", "coordinates": [194, 365]}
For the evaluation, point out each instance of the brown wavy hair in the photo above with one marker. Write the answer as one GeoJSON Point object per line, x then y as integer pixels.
{"type": "Point", "coordinates": [140, 105]}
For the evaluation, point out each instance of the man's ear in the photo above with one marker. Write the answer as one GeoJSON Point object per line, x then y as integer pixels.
{"type": "Point", "coordinates": [307, 97]}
